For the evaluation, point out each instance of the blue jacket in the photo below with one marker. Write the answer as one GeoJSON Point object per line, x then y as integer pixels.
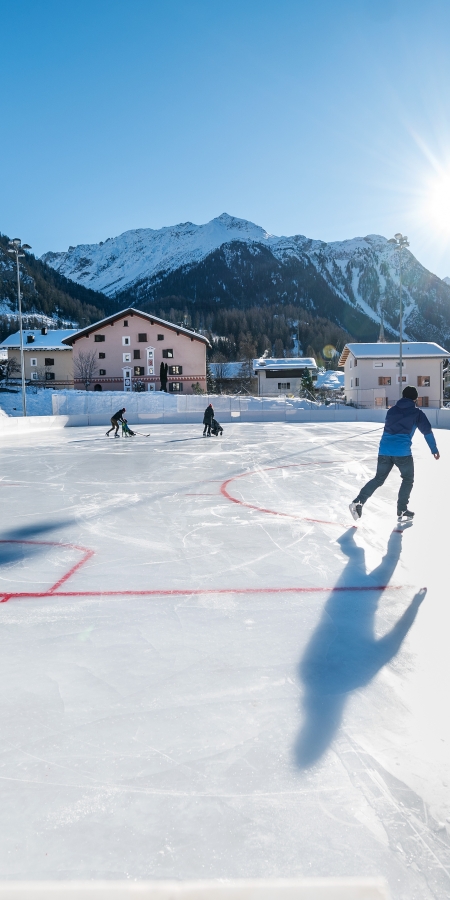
{"type": "Point", "coordinates": [401, 423]}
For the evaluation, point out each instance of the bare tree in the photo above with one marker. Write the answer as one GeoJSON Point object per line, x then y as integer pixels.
{"type": "Point", "coordinates": [8, 368]}
{"type": "Point", "coordinates": [85, 365]}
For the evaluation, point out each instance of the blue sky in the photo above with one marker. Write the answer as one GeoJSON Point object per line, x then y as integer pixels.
{"type": "Point", "coordinates": [330, 119]}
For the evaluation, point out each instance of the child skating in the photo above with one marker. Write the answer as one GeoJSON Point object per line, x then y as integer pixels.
{"type": "Point", "coordinates": [395, 450]}
{"type": "Point", "coordinates": [126, 430]}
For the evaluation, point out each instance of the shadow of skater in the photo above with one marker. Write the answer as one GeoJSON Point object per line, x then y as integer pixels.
{"type": "Point", "coordinates": [343, 653]}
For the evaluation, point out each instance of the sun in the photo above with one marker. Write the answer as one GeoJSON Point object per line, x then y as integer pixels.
{"type": "Point", "coordinates": [436, 205]}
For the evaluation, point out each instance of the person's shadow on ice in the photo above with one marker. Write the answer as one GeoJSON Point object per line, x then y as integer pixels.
{"type": "Point", "coordinates": [343, 653]}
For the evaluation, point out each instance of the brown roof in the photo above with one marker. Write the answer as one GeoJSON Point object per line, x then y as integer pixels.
{"type": "Point", "coordinates": [131, 311]}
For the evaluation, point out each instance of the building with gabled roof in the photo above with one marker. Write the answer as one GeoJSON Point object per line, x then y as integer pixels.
{"type": "Point", "coordinates": [372, 372]}
{"type": "Point", "coordinates": [127, 350]}
{"type": "Point", "coordinates": [47, 357]}
{"type": "Point", "coordinates": [277, 377]}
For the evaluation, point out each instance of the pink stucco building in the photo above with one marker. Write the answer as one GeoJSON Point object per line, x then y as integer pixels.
{"type": "Point", "coordinates": [131, 345]}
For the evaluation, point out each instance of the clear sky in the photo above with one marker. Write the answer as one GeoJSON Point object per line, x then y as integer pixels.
{"type": "Point", "coordinates": [329, 118]}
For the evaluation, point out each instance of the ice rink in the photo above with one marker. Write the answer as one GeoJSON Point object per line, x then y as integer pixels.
{"type": "Point", "coordinates": [207, 671]}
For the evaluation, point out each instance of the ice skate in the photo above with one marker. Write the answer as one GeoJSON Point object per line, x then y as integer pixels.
{"type": "Point", "coordinates": [356, 510]}
{"type": "Point", "coordinates": [405, 516]}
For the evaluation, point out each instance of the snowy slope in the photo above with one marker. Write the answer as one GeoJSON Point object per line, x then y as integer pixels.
{"type": "Point", "coordinates": [235, 258]}
{"type": "Point", "coordinates": [117, 263]}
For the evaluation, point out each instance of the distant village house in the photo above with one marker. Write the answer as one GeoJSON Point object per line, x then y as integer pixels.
{"type": "Point", "coordinates": [372, 372]}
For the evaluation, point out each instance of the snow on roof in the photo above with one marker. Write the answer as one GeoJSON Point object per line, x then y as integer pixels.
{"type": "Point", "coordinates": [50, 341]}
{"type": "Point", "coordinates": [392, 350]}
{"type": "Point", "coordinates": [296, 362]}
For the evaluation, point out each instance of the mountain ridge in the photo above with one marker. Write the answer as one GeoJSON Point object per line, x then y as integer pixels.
{"type": "Point", "coordinates": [234, 262]}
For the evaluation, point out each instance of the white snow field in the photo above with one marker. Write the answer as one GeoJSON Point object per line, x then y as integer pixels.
{"type": "Point", "coordinates": [208, 672]}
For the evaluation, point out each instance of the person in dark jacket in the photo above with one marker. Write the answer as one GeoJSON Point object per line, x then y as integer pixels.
{"type": "Point", "coordinates": [208, 420]}
{"type": "Point", "coordinates": [115, 419]}
{"type": "Point", "coordinates": [395, 450]}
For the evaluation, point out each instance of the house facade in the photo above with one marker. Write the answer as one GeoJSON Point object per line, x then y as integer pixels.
{"type": "Point", "coordinates": [47, 359]}
{"type": "Point", "coordinates": [125, 351]}
{"type": "Point", "coordinates": [372, 373]}
{"type": "Point", "coordinates": [278, 377]}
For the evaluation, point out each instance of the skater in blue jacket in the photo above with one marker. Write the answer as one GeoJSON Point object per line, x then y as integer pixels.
{"type": "Point", "coordinates": [395, 450]}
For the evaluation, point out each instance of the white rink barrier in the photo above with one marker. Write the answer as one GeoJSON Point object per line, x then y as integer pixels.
{"type": "Point", "coordinates": [96, 408]}
{"type": "Point", "coordinates": [279, 889]}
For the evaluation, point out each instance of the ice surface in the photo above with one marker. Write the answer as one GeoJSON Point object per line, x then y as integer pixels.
{"type": "Point", "coordinates": [190, 690]}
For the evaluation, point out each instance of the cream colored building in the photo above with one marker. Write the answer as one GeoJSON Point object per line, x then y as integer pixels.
{"type": "Point", "coordinates": [278, 377]}
{"type": "Point", "coordinates": [47, 359]}
{"type": "Point", "coordinates": [372, 373]}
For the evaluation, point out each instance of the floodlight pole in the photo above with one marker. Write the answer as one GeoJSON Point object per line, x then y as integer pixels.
{"type": "Point", "coordinates": [16, 249]}
{"type": "Point", "coordinates": [400, 241]}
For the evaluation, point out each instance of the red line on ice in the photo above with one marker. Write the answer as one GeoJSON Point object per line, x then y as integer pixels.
{"type": "Point", "coordinates": [184, 592]}
{"type": "Point", "coordinates": [84, 550]}
{"type": "Point", "coordinates": [224, 491]}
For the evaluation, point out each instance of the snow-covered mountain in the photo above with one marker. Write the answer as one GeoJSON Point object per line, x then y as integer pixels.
{"type": "Point", "coordinates": [237, 263]}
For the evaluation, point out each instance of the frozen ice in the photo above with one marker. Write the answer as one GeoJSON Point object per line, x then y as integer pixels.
{"type": "Point", "coordinates": [208, 671]}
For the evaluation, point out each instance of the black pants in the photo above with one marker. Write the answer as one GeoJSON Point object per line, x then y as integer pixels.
{"type": "Point", "coordinates": [385, 464]}
{"type": "Point", "coordinates": [207, 428]}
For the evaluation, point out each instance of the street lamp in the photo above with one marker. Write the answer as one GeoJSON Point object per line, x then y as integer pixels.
{"type": "Point", "coordinates": [400, 241]}
{"type": "Point", "coordinates": [15, 248]}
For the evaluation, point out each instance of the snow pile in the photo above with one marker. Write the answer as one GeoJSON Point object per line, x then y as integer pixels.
{"type": "Point", "coordinates": [39, 402]}
{"type": "Point", "coordinates": [330, 381]}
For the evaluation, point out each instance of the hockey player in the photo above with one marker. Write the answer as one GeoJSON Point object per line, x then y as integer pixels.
{"type": "Point", "coordinates": [115, 419]}
{"type": "Point", "coordinates": [395, 450]}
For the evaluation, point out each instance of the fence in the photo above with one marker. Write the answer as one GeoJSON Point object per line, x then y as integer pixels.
{"type": "Point", "coordinates": [95, 408]}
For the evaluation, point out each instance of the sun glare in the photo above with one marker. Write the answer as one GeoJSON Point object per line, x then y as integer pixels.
{"type": "Point", "coordinates": [436, 205]}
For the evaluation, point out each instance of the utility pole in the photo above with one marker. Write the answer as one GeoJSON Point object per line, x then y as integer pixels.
{"type": "Point", "coordinates": [400, 241]}
{"type": "Point", "coordinates": [16, 248]}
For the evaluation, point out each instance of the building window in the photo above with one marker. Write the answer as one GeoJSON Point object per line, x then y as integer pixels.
{"type": "Point", "coordinates": [404, 377]}
{"type": "Point", "coordinates": [355, 362]}
{"type": "Point", "coordinates": [175, 370]}
{"type": "Point", "coordinates": [34, 376]}
{"type": "Point", "coordinates": [351, 382]}
{"type": "Point", "coordinates": [142, 338]}
{"type": "Point", "coordinates": [102, 371]}
{"type": "Point", "coordinates": [167, 354]}
{"type": "Point", "coordinates": [379, 401]}
{"type": "Point", "coordinates": [33, 361]}
{"type": "Point", "coordinates": [136, 354]}
{"type": "Point", "coordinates": [423, 381]}
{"type": "Point", "coordinates": [49, 376]}
{"type": "Point", "coordinates": [175, 387]}
{"type": "Point", "coordinates": [356, 382]}
{"type": "Point", "coordinates": [422, 401]}
{"type": "Point", "coordinates": [98, 338]}
{"type": "Point", "coordinates": [378, 365]}
{"type": "Point", "coordinates": [126, 357]}
{"type": "Point", "coordinates": [160, 337]}
{"type": "Point", "coordinates": [125, 324]}
{"type": "Point", "coordinates": [125, 341]}
{"type": "Point", "coordinates": [49, 361]}
{"type": "Point", "coordinates": [102, 355]}
{"type": "Point", "coordinates": [139, 370]}
{"type": "Point", "coordinates": [384, 379]}
{"type": "Point", "coordinates": [150, 370]}
{"type": "Point", "coordinates": [351, 364]}
{"type": "Point", "coordinates": [284, 385]}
